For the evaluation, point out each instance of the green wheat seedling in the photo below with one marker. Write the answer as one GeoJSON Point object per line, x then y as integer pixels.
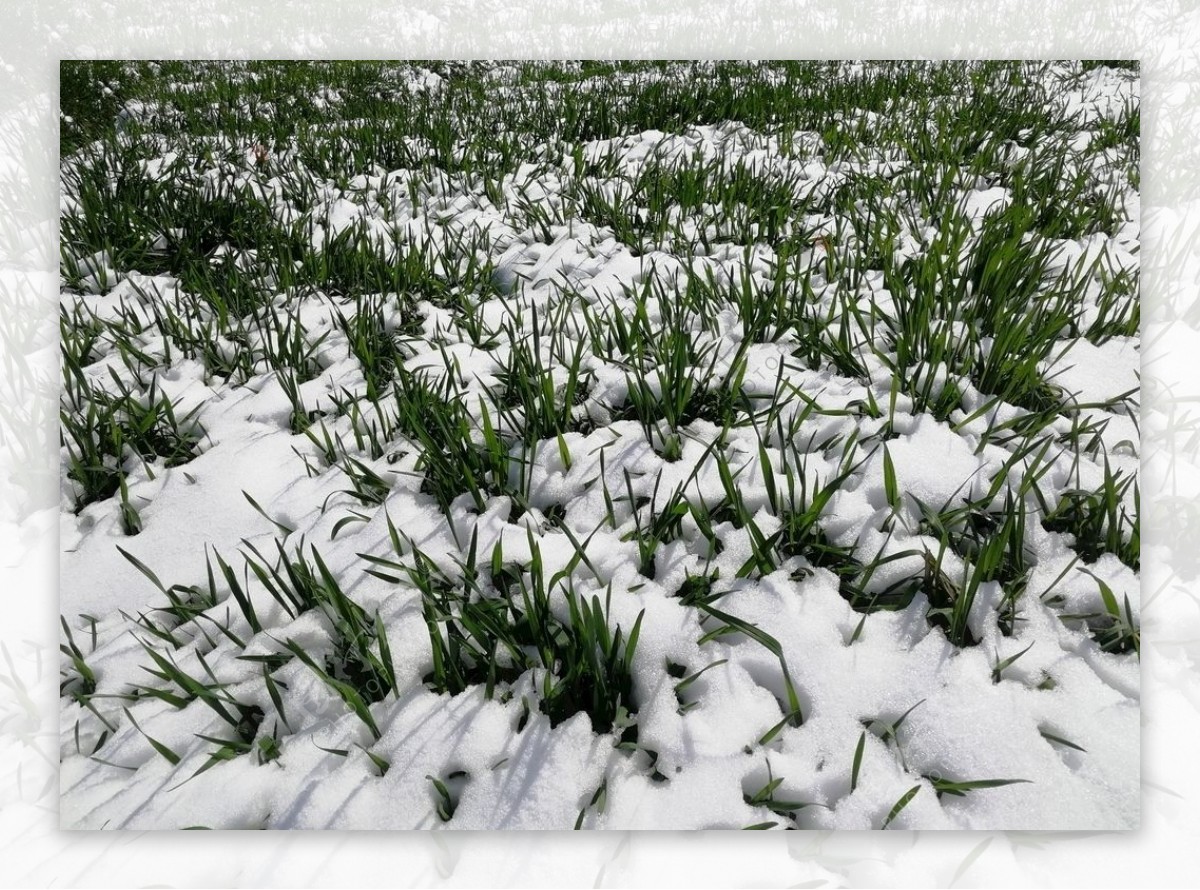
{"type": "Point", "coordinates": [359, 667]}
{"type": "Point", "coordinates": [447, 800]}
{"type": "Point", "coordinates": [942, 786]}
{"type": "Point", "coordinates": [580, 664]}
{"type": "Point", "coordinates": [82, 683]}
{"type": "Point", "coordinates": [185, 603]}
{"type": "Point", "coordinates": [371, 343]}
{"type": "Point", "coordinates": [765, 797]}
{"type": "Point", "coordinates": [898, 807]}
{"type": "Point", "coordinates": [888, 731]}
{"type": "Point", "coordinates": [278, 341]}
{"type": "Point", "coordinates": [528, 397]}
{"type": "Point", "coordinates": [683, 684]}
{"type": "Point", "coordinates": [680, 388]}
{"type": "Point", "coordinates": [99, 439]}
{"type": "Point", "coordinates": [597, 803]}
{"type": "Point", "coordinates": [662, 525]}
{"type": "Point", "coordinates": [731, 624]}
{"type": "Point", "coordinates": [1115, 629]}
{"type": "Point", "coordinates": [1100, 520]}
{"type": "Point", "coordinates": [798, 508]}
{"type": "Point", "coordinates": [183, 688]}
{"type": "Point", "coordinates": [994, 541]}
{"type": "Point", "coordinates": [367, 487]}
{"type": "Point", "coordinates": [455, 458]}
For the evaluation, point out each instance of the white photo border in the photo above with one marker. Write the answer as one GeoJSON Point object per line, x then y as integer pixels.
{"type": "Point", "coordinates": [1163, 34]}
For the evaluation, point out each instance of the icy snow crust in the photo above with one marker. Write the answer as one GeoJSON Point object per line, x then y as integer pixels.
{"type": "Point", "coordinates": [700, 759]}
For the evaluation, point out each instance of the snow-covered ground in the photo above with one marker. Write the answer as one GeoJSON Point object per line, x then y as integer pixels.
{"type": "Point", "coordinates": [879, 666]}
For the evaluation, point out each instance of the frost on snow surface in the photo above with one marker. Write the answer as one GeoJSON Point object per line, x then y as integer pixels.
{"type": "Point", "coordinates": [619, 506]}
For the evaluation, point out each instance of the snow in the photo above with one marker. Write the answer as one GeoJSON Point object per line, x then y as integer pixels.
{"type": "Point", "coordinates": [1091, 373]}
{"type": "Point", "coordinates": [852, 671]}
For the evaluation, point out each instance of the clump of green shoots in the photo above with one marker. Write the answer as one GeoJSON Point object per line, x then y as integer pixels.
{"type": "Point", "coordinates": [496, 623]}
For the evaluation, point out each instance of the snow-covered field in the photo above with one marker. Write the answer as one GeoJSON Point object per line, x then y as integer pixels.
{"type": "Point", "coordinates": [640, 446]}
